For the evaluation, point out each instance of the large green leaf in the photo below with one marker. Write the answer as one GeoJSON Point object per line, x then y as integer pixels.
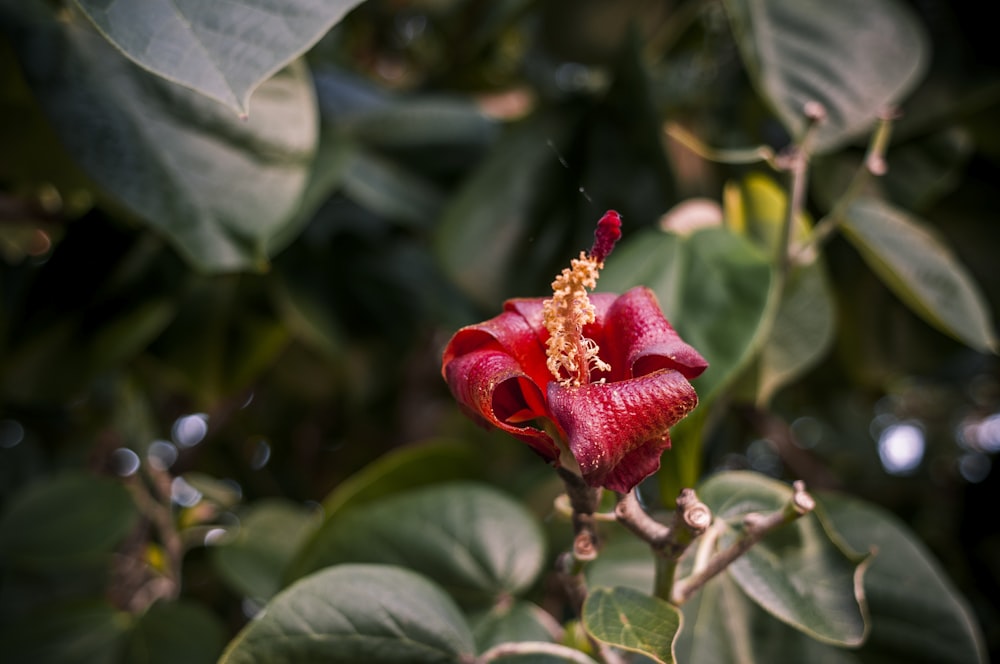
{"type": "Point", "coordinates": [80, 633]}
{"type": "Point", "coordinates": [254, 561]}
{"type": "Point", "coordinates": [798, 573]}
{"type": "Point", "coordinates": [356, 613]}
{"type": "Point", "coordinates": [723, 626]}
{"type": "Point", "coordinates": [632, 620]}
{"type": "Point", "coordinates": [515, 620]}
{"type": "Point", "coordinates": [923, 272]}
{"type": "Point", "coordinates": [64, 520]}
{"type": "Point", "coordinates": [222, 50]}
{"type": "Point", "coordinates": [712, 285]}
{"type": "Point", "coordinates": [917, 614]}
{"type": "Point", "coordinates": [473, 540]}
{"type": "Point", "coordinates": [220, 188]}
{"type": "Point", "coordinates": [856, 57]}
{"type": "Point", "coordinates": [170, 632]}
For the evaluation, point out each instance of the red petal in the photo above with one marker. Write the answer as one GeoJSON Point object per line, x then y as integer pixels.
{"type": "Point", "coordinates": [509, 331]}
{"type": "Point", "coordinates": [490, 387]}
{"type": "Point", "coordinates": [617, 430]}
{"type": "Point", "coordinates": [641, 340]}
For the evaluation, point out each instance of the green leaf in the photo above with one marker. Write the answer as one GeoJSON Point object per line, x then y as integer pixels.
{"type": "Point", "coordinates": [83, 633]}
{"type": "Point", "coordinates": [712, 285]}
{"type": "Point", "coordinates": [723, 626]}
{"type": "Point", "coordinates": [512, 621]}
{"type": "Point", "coordinates": [170, 632]}
{"type": "Point", "coordinates": [223, 51]}
{"type": "Point", "coordinates": [917, 614]}
{"type": "Point", "coordinates": [923, 272]}
{"type": "Point", "coordinates": [64, 520]}
{"type": "Point", "coordinates": [634, 621]}
{"type": "Point", "coordinates": [855, 57]}
{"type": "Point", "coordinates": [220, 188]}
{"type": "Point", "coordinates": [474, 541]}
{"type": "Point", "coordinates": [377, 614]}
{"type": "Point", "coordinates": [255, 561]}
{"type": "Point", "coordinates": [798, 573]}
{"type": "Point", "coordinates": [803, 326]}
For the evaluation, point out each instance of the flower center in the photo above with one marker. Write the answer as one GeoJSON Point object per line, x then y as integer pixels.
{"type": "Point", "coordinates": [571, 355]}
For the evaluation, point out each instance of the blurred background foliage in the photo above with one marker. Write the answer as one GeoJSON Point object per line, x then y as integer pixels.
{"type": "Point", "coordinates": [259, 314]}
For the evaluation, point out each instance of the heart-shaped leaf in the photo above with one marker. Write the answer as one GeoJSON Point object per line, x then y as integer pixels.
{"type": "Point", "coordinates": [221, 50]}
{"type": "Point", "coordinates": [378, 614]}
{"type": "Point", "coordinates": [798, 573]}
{"type": "Point", "coordinates": [471, 539]}
{"type": "Point", "coordinates": [634, 621]}
{"type": "Point", "coordinates": [855, 57]}
{"type": "Point", "coordinates": [917, 614]}
{"type": "Point", "coordinates": [220, 188]}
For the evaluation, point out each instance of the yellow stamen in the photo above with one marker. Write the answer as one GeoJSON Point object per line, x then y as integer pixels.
{"type": "Point", "coordinates": [571, 355]}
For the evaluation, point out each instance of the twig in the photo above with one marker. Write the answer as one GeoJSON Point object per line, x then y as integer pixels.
{"type": "Point", "coordinates": [583, 499]}
{"type": "Point", "coordinates": [757, 526]}
{"type": "Point", "coordinates": [668, 543]}
{"type": "Point", "coordinates": [741, 156]}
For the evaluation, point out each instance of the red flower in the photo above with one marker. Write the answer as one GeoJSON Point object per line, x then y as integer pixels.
{"type": "Point", "coordinates": [616, 421]}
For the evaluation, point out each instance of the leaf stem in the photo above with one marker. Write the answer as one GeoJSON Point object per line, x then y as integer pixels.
{"type": "Point", "coordinates": [740, 156]}
{"type": "Point", "coordinates": [874, 165]}
{"type": "Point", "coordinates": [756, 527]}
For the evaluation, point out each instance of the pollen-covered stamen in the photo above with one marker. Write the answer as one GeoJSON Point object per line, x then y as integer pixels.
{"type": "Point", "coordinates": [571, 355]}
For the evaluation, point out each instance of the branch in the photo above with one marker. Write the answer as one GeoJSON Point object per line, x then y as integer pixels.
{"type": "Point", "coordinates": [756, 527]}
{"type": "Point", "coordinates": [668, 543]}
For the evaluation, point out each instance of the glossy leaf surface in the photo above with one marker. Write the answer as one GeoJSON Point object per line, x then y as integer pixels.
{"type": "Point", "coordinates": [855, 57]}
{"type": "Point", "coordinates": [474, 541]}
{"type": "Point", "coordinates": [351, 613]}
{"type": "Point", "coordinates": [221, 50]}
{"type": "Point", "coordinates": [923, 272]}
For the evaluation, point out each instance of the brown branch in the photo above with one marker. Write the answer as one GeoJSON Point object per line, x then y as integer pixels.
{"type": "Point", "coordinates": [756, 527]}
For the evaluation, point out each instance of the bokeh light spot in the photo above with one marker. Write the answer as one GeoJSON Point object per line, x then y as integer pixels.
{"type": "Point", "coordinates": [901, 448]}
